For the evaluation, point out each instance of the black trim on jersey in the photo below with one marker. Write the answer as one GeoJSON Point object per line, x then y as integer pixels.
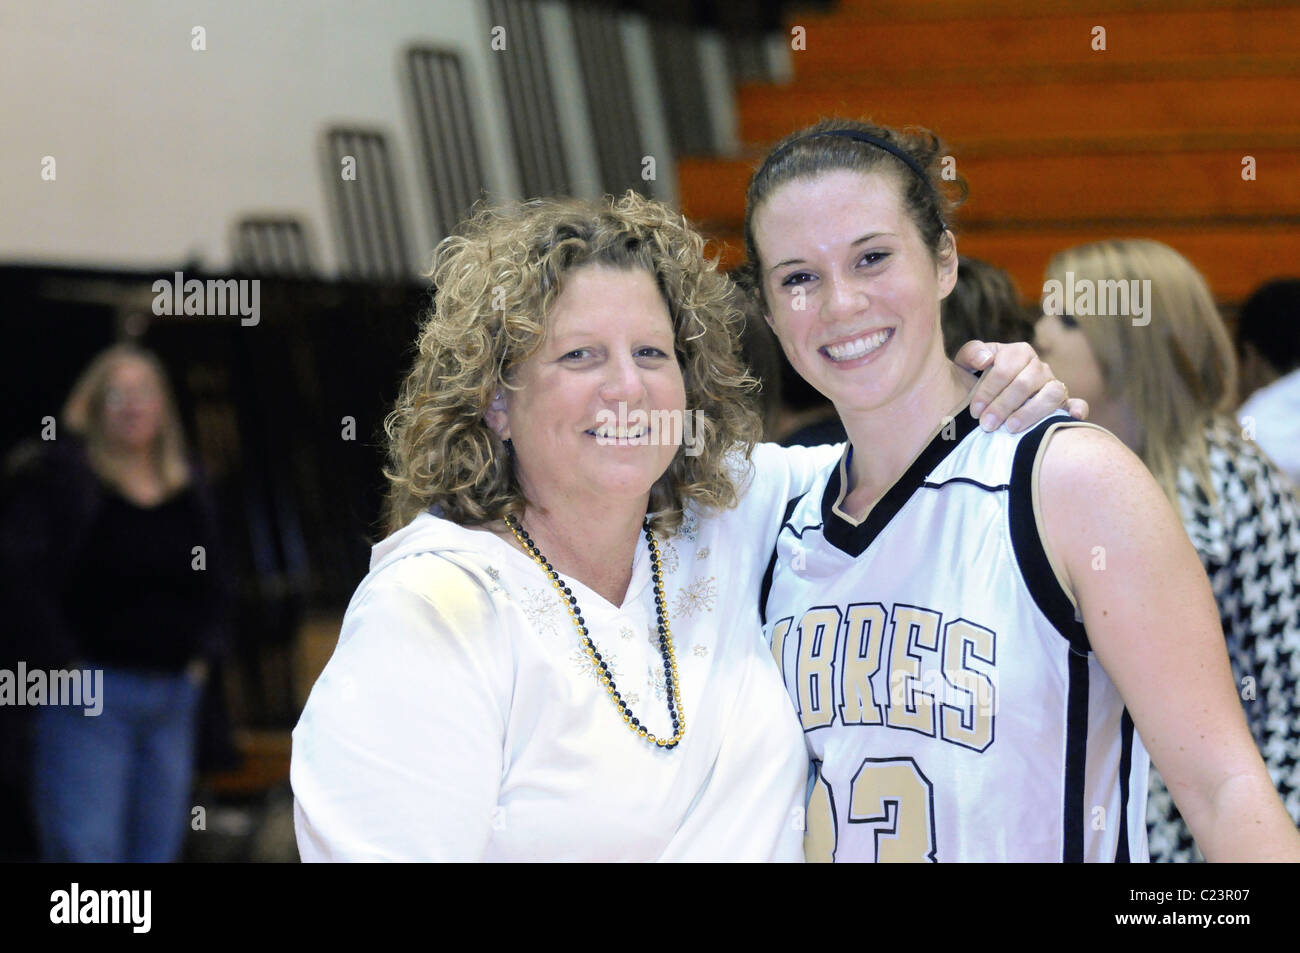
{"type": "Point", "coordinates": [1125, 766]}
{"type": "Point", "coordinates": [983, 486]}
{"type": "Point", "coordinates": [766, 588]}
{"type": "Point", "coordinates": [1076, 760]}
{"type": "Point", "coordinates": [854, 540]}
{"type": "Point", "coordinates": [1041, 581]}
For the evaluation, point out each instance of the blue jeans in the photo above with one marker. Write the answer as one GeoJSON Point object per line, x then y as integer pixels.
{"type": "Point", "coordinates": [116, 786]}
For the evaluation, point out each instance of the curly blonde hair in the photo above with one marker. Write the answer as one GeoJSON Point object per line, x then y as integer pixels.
{"type": "Point", "coordinates": [496, 278]}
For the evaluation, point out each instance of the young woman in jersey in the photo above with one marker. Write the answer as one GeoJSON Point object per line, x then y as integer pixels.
{"type": "Point", "coordinates": [971, 624]}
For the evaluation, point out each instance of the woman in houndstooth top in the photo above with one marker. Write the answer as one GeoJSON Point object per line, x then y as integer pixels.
{"type": "Point", "coordinates": [1166, 388]}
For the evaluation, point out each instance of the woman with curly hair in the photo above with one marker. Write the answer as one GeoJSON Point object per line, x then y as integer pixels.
{"type": "Point", "coordinates": [565, 663]}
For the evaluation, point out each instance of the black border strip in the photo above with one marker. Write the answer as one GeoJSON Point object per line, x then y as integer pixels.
{"type": "Point", "coordinates": [854, 540]}
{"type": "Point", "coordinates": [1122, 853]}
{"type": "Point", "coordinates": [1043, 585]}
{"type": "Point", "coordinates": [1076, 761]}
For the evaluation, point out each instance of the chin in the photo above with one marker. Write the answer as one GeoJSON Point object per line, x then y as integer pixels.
{"type": "Point", "coordinates": [631, 482]}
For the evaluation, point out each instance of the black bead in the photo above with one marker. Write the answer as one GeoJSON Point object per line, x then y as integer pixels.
{"type": "Point", "coordinates": [597, 656]}
{"type": "Point", "coordinates": [573, 600]}
{"type": "Point", "coordinates": [616, 694]}
{"type": "Point", "coordinates": [549, 567]}
{"type": "Point", "coordinates": [567, 592]}
{"type": "Point", "coordinates": [636, 722]}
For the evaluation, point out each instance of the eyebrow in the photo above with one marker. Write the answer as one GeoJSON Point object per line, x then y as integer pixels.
{"type": "Point", "coordinates": [579, 333]}
{"type": "Point", "coordinates": [799, 261]}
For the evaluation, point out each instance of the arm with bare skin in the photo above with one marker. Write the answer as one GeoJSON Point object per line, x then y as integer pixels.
{"type": "Point", "coordinates": [1154, 626]}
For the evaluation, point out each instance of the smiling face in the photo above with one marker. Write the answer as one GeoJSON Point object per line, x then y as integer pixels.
{"type": "Point", "coordinates": [853, 293]}
{"type": "Point", "coordinates": [133, 406]}
{"type": "Point", "coordinates": [609, 341]}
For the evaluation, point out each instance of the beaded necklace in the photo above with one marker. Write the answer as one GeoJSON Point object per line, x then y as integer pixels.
{"type": "Point", "coordinates": [671, 687]}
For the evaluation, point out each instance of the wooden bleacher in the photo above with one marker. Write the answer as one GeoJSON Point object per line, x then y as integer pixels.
{"type": "Point", "coordinates": [1060, 143]}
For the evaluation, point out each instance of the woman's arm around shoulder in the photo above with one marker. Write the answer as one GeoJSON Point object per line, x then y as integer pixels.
{"type": "Point", "coordinates": [1153, 623]}
{"type": "Point", "coordinates": [398, 753]}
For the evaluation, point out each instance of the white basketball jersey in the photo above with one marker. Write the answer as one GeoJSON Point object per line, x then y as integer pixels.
{"type": "Point", "coordinates": [952, 706]}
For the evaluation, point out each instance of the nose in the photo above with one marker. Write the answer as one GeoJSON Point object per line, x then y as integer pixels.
{"type": "Point", "coordinates": [844, 298]}
{"type": "Point", "coordinates": [1043, 333]}
{"type": "Point", "coordinates": [622, 381]}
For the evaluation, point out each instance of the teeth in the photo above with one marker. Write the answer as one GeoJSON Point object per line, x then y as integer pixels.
{"type": "Point", "coordinates": [859, 347]}
{"type": "Point", "coordinates": [613, 433]}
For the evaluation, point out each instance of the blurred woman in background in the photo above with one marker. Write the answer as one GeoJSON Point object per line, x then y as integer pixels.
{"type": "Point", "coordinates": [1166, 388]}
{"type": "Point", "coordinates": [108, 545]}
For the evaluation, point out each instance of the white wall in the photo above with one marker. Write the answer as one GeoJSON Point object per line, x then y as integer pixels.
{"type": "Point", "coordinates": [159, 147]}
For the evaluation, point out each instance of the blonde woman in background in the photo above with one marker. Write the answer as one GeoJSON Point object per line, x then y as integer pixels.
{"type": "Point", "coordinates": [1166, 388]}
{"type": "Point", "coordinates": [98, 545]}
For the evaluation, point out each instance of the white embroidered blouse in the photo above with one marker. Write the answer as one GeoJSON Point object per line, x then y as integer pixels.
{"type": "Point", "coordinates": [458, 720]}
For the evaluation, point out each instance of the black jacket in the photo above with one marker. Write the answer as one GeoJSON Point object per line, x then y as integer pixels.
{"type": "Point", "coordinates": [48, 505]}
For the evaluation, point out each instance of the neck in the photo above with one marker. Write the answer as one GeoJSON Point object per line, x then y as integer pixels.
{"type": "Point", "coordinates": [128, 456]}
{"type": "Point", "coordinates": [888, 438]}
{"type": "Point", "coordinates": [126, 463]}
{"type": "Point", "coordinates": [1119, 419]}
{"type": "Point", "coordinates": [593, 544]}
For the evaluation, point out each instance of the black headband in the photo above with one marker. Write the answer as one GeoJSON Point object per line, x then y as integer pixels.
{"type": "Point", "coordinates": [853, 134]}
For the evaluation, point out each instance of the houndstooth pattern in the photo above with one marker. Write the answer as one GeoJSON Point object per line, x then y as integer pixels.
{"type": "Point", "coordinates": [1249, 543]}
